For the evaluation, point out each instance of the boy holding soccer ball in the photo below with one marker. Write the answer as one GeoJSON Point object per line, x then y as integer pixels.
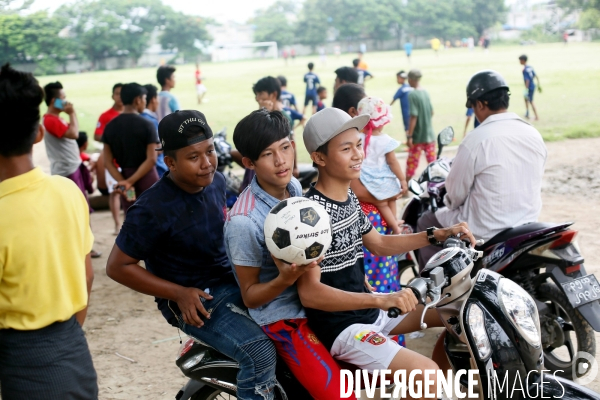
{"type": "Point", "coordinates": [267, 284]}
{"type": "Point", "coordinates": [351, 321]}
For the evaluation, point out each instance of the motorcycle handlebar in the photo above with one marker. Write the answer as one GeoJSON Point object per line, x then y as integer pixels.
{"type": "Point", "coordinates": [419, 288]}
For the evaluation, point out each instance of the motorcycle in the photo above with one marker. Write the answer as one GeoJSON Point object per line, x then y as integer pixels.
{"type": "Point", "coordinates": [542, 258]}
{"type": "Point", "coordinates": [307, 173]}
{"type": "Point", "coordinates": [492, 326]}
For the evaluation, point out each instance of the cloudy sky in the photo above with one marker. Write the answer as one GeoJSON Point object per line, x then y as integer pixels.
{"type": "Point", "coordinates": [221, 10]}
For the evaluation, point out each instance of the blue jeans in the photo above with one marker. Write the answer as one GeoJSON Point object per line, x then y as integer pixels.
{"type": "Point", "coordinates": [231, 331]}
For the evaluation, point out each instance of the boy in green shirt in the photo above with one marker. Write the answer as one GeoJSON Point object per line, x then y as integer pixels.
{"type": "Point", "coordinates": [420, 135]}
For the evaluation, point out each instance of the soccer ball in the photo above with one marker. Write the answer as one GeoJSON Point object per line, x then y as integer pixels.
{"type": "Point", "coordinates": [298, 231]}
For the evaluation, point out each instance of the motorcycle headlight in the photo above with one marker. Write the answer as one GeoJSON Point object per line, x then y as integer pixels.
{"type": "Point", "coordinates": [477, 327]}
{"type": "Point", "coordinates": [521, 310]}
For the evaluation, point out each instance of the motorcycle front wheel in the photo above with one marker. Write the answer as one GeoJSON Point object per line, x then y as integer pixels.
{"type": "Point", "coordinates": [567, 320]}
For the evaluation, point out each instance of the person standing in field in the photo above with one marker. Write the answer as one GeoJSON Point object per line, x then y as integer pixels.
{"type": "Point", "coordinates": [322, 93]}
{"type": "Point", "coordinates": [61, 141]}
{"type": "Point", "coordinates": [420, 137]}
{"type": "Point", "coordinates": [150, 114]}
{"type": "Point", "coordinates": [363, 74]}
{"type": "Point", "coordinates": [131, 140]}
{"type": "Point", "coordinates": [200, 88]}
{"type": "Point", "coordinates": [361, 63]}
{"type": "Point", "coordinates": [435, 45]}
{"type": "Point", "coordinates": [287, 98]}
{"type": "Point", "coordinates": [408, 46]}
{"type": "Point", "coordinates": [105, 180]}
{"type": "Point", "coordinates": [528, 76]}
{"type": "Point", "coordinates": [312, 83]}
{"type": "Point", "coordinates": [167, 103]}
{"type": "Point", "coordinates": [402, 95]}
{"type": "Point", "coordinates": [46, 270]}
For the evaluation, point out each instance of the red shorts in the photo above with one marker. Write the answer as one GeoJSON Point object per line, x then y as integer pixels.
{"type": "Point", "coordinates": [307, 358]}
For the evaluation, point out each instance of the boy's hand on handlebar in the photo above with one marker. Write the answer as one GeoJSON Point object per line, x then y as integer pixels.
{"type": "Point", "coordinates": [460, 230]}
{"type": "Point", "coordinates": [405, 300]}
{"type": "Point", "coordinates": [189, 304]}
{"type": "Point", "coordinates": [291, 272]}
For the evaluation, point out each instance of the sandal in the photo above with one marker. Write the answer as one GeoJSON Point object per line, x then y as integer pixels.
{"type": "Point", "coordinates": [96, 254]}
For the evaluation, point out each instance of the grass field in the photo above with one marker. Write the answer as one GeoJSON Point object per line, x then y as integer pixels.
{"type": "Point", "coordinates": [568, 107]}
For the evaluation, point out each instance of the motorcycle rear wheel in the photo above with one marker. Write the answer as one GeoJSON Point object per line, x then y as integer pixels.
{"type": "Point", "coordinates": [574, 321]}
{"type": "Point", "coordinates": [210, 393]}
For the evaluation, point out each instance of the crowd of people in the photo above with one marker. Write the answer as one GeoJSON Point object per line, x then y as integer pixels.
{"type": "Point", "coordinates": [208, 267]}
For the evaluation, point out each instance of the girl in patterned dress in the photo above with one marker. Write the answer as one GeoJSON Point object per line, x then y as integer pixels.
{"type": "Point", "coordinates": [381, 178]}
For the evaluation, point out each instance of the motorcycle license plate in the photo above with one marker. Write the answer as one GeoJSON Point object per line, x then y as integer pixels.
{"type": "Point", "coordinates": [582, 290]}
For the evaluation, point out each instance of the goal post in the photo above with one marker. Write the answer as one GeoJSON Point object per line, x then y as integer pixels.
{"type": "Point", "coordinates": [243, 51]}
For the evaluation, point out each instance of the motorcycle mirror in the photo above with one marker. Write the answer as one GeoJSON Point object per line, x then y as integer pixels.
{"type": "Point", "coordinates": [446, 136]}
{"type": "Point", "coordinates": [414, 187]}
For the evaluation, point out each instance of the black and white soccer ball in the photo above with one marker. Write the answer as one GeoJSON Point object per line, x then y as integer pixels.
{"type": "Point", "coordinates": [298, 231]}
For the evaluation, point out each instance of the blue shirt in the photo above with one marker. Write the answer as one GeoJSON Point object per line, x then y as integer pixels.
{"type": "Point", "coordinates": [320, 105]}
{"type": "Point", "coordinates": [528, 75]}
{"type": "Point", "coordinates": [470, 113]}
{"type": "Point", "coordinates": [161, 167]}
{"type": "Point", "coordinates": [167, 104]}
{"type": "Point", "coordinates": [362, 74]}
{"type": "Point", "coordinates": [402, 95]}
{"type": "Point", "coordinates": [287, 99]}
{"type": "Point", "coordinates": [408, 48]}
{"type": "Point", "coordinates": [293, 114]}
{"type": "Point", "coordinates": [179, 235]}
{"type": "Point", "coordinates": [245, 245]}
{"type": "Point", "coordinates": [312, 80]}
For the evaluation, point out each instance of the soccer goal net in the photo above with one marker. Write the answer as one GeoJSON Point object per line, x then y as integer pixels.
{"type": "Point", "coordinates": [242, 51]}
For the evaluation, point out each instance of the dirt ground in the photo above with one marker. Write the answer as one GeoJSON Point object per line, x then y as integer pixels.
{"type": "Point", "coordinates": [123, 322]}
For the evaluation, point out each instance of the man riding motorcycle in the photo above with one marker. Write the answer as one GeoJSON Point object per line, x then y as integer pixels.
{"type": "Point", "coordinates": [496, 177]}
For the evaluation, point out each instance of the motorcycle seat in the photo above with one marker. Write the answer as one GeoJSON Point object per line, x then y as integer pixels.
{"type": "Point", "coordinates": [525, 231]}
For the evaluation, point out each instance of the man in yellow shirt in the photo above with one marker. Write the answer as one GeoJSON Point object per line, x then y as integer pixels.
{"type": "Point", "coordinates": [45, 265]}
{"type": "Point", "coordinates": [435, 45]}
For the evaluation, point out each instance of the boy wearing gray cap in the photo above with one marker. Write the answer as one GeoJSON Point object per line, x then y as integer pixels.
{"type": "Point", "coordinates": [351, 321]}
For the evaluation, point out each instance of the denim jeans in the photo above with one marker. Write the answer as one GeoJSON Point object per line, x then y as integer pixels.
{"type": "Point", "coordinates": [231, 331]}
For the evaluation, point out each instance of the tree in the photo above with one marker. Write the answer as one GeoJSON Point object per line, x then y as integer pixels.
{"type": "Point", "coordinates": [273, 24]}
{"type": "Point", "coordinates": [428, 18]}
{"type": "Point", "coordinates": [590, 12]}
{"type": "Point", "coordinates": [6, 6]}
{"type": "Point", "coordinates": [385, 17]}
{"type": "Point", "coordinates": [313, 24]}
{"type": "Point", "coordinates": [185, 33]}
{"type": "Point", "coordinates": [113, 27]}
{"type": "Point", "coordinates": [34, 38]}
{"type": "Point", "coordinates": [480, 14]}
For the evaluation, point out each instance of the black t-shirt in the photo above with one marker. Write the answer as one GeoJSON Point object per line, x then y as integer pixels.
{"type": "Point", "coordinates": [128, 136]}
{"type": "Point", "coordinates": [343, 266]}
{"type": "Point", "coordinates": [179, 235]}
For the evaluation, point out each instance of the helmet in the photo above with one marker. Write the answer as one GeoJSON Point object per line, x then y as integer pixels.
{"type": "Point", "coordinates": [482, 83]}
{"type": "Point", "coordinates": [457, 266]}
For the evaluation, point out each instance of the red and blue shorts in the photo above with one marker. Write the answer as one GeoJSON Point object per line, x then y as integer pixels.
{"type": "Point", "coordinates": [307, 358]}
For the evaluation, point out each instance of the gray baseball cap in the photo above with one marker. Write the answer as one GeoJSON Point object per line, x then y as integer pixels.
{"type": "Point", "coordinates": [414, 74]}
{"type": "Point", "coordinates": [327, 124]}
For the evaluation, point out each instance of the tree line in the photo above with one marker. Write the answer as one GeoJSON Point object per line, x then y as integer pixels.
{"type": "Point", "coordinates": [94, 30]}
{"type": "Point", "coordinates": [311, 22]}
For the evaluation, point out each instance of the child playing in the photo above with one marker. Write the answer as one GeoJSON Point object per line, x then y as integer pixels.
{"type": "Point", "coordinates": [322, 94]}
{"type": "Point", "coordinates": [312, 82]}
{"type": "Point", "coordinates": [528, 75]}
{"type": "Point", "coordinates": [381, 175]}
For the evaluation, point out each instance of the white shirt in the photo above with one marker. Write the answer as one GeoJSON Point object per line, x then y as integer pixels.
{"type": "Point", "coordinates": [496, 177]}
